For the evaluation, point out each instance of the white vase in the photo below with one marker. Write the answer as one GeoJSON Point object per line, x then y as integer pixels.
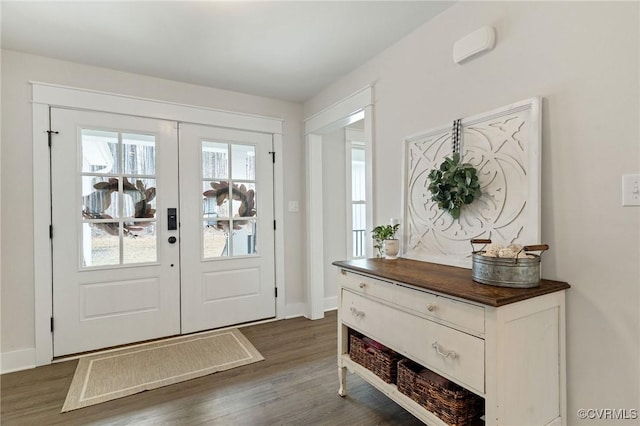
{"type": "Point", "coordinates": [391, 248]}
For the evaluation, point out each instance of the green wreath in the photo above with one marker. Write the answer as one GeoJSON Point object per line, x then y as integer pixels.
{"type": "Point", "coordinates": [454, 184]}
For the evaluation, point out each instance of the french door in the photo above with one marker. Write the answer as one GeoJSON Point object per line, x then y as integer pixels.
{"type": "Point", "coordinates": [226, 200]}
{"type": "Point", "coordinates": [117, 240]}
{"type": "Point", "coordinates": [115, 273]}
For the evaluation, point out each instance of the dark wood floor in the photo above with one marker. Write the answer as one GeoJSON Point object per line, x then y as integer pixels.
{"type": "Point", "coordinates": [296, 384]}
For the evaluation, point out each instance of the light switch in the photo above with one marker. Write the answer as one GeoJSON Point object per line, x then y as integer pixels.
{"type": "Point", "coordinates": [293, 206]}
{"type": "Point", "coordinates": [631, 190]}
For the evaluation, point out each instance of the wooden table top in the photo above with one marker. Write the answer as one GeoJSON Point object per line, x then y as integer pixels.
{"type": "Point", "coordinates": [449, 280]}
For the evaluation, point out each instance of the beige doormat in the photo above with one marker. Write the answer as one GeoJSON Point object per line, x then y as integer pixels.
{"type": "Point", "coordinates": [103, 377]}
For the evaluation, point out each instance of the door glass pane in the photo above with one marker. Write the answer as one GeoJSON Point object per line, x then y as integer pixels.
{"type": "Point", "coordinates": [244, 200]}
{"type": "Point", "coordinates": [244, 237]}
{"type": "Point", "coordinates": [140, 243]}
{"type": "Point", "coordinates": [139, 154]}
{"type": "Point", "coordinates": [215, 239]}
{"type": "Point", "coordinates": [139, 198]}
{"type": "Point", "coordinates": [127, 192]}
{"type": "Point", "coordinates": [215, 160]}
{"type": "Point", "coordinates": [216, 200]}
{"type": "Point", "coordinates": [100, 244]}
{"type": "Point", "coordinates": [100, 198]}
{"type": "Point", "coordinates": [243, 162]}
{"type": "Point", "coordinates": [227, 201]}
{"type": "Point", "coordinates": [99, 151]}
{"type": "Point", "coordinates": [216, 218]}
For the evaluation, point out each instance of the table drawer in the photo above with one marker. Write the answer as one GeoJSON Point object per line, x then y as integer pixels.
{"type": "Point", "coordinates": [415, 337]}
{"type": "Point", "coordinates": [449, 352]}
{"type": "Point", "coordinates": [373, 287]}
{"type": "Point", "coordinates": [371, 318]}
{"type": "Point", "coordinates": [465, 315]}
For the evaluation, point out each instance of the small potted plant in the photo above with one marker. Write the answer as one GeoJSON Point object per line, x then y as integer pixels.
{"type": "Point", "coordinates": [385, 240]}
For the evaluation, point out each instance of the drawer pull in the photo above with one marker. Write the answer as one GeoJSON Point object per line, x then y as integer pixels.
{"type": "Point", "coordinates": [362, 285]}
{"type": "Point", "coordinates": [444, 354]}
{"type": "Point", "coordinates": [356, 313]}
{"type": "Point", "coordinates": [431, 307]}
{"type": "Point", "coordinates": [343, 272]}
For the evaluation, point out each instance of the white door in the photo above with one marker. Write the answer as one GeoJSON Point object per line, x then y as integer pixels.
{"type": "Point", "coordinates": [115, 271]}
{"type": "Point", "coordinates": [227, 227]}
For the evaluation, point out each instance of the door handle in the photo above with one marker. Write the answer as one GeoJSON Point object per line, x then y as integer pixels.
{"type": "Point", "coordinates": [172, 240]}
{"type": "Point", "coordinates": [172, 219]}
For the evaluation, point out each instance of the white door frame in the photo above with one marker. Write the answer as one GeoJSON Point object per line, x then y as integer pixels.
{"type": "Point", "coordinates": [357, 106]}
{"type": "Point", "coordinates": [44, 96]}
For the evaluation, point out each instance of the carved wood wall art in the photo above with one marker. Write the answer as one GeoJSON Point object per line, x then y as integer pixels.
{"type": "Point", "coordinates": [504, 146]}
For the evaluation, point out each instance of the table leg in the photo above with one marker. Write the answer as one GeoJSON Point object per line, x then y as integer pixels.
{"type": "Point", "coordinates": [342, 377]}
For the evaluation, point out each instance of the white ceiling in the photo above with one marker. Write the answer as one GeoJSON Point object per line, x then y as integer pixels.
{"type": "Point", "coordinates": [287, 50]}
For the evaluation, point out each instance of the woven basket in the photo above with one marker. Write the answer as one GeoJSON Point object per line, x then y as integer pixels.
{"type": "Point", "coordinates": [382, 361]}
{"type": "Point", "coordinates": [450, 402]}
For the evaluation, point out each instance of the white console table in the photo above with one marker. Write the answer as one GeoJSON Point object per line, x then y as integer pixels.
{"type": "Point", "coordinates": [506, 345]}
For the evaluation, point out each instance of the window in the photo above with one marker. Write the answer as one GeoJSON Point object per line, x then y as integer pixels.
{"type": "Point", "coordinates": [229, 200]}
{"type": "Point", "coordinates": [358, 198]}
{"type": "Point", "coordinates": [118, 215]}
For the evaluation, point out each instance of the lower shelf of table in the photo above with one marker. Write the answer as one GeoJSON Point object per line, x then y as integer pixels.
{"type": "Point", "coordinates": [392, 392]}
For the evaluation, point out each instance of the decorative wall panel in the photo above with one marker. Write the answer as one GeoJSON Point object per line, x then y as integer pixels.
{"type": "Point", "coordinates": [504, 146]}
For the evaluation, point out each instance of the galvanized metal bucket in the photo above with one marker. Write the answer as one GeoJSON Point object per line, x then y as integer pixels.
{"type": "Point", "coordinates": [507, 272]}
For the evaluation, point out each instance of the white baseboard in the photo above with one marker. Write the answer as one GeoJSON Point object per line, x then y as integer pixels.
{"type": "Point", "coordinates": [294, 310]}
{"type": "Point", "coordinates": [22, 359]}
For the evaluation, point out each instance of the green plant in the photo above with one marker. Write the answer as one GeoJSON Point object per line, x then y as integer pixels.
{"type": "Point", "coordinates": [381, 233]}
{"type": "Point", "coordinates": [454, 184]}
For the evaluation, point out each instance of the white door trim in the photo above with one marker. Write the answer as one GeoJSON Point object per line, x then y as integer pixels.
{"type": "Point", "coordinates": [357, 106]}
{"type": "Point", "coordinates": [45, 95]}
{"type": "Point", "coordinates": [78, 98]}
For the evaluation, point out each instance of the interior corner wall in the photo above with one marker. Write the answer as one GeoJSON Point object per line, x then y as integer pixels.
{"type": "Point", "coordinates": [18, 209]}
{"type": "Point", "coordinates": [582, 58]}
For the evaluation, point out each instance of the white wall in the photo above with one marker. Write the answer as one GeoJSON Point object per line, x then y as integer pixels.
{"type": "Point", "coordinates": [583, 59]}
{"type": "Point", "coordinates": [334, 210]}
{"type": "Point", "coordinates": [17, 292]}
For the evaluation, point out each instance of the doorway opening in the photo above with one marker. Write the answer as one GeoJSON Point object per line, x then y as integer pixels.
{"type": "Point", "coordinates": [323, 166]}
